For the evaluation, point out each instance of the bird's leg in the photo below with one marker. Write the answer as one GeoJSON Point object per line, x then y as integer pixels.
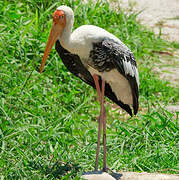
{"type": "Point", "coordinates": [104, 127]}
{"type": "Point", "coordinates": [95, 77]}
{"type": "Point", "coordinates": [101, 122]}
{"type": "Point", "coordinates": [98, 143]}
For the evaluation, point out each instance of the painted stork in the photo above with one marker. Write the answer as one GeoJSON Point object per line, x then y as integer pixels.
{"type": "Point", "coordinates": [98, 58]}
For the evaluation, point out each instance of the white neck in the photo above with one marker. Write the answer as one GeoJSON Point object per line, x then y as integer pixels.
{"type": "Point", "coordinates": [65, 39]}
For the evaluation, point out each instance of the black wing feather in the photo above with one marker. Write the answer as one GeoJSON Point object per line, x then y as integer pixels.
{"type": "Point", "coordinates": [108, 54]}
{"type": "Point", "coordinates": [120, 54]}
{"type": "Point", "coordinates": [75, 66]}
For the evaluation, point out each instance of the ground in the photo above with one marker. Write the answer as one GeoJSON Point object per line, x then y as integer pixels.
{"type": "Point", "coordinates": [156, 14]}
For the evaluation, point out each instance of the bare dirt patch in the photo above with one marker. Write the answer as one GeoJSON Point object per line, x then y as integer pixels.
{"type": "Point", "coordinates": [160, 15]}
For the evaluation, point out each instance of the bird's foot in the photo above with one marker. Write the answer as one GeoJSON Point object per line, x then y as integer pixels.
{"type": "Point", "coordinates": [96, 169]}
{"type": "Point", "coordinates": [106, 169]}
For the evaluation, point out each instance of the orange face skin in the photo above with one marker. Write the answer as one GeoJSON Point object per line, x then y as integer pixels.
{"type": "Point", "coordinates": [59, 22]}
{"type": "Point", "coordinates": [59, 17]}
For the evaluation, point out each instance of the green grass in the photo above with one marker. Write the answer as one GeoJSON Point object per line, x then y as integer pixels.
{"type": "Point", "coordinates": [48, 126]}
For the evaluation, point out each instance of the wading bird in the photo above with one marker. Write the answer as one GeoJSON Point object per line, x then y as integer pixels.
{"type": "Point", "coordinates": [98, 58]}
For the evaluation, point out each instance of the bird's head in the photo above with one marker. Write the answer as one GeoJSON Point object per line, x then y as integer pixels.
{"type": "Point", "coordinates": [61, 18]}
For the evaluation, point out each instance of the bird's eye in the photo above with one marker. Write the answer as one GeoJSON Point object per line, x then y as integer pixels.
{"type": "Point", "coordinates": [61, 17]}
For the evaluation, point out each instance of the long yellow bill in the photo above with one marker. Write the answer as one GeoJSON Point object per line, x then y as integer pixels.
{"type": "Point", "coordinates": [54, 33]}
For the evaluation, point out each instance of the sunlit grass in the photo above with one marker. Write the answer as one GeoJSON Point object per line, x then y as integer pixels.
{"type": "Point", "coordinates": [48, 126]}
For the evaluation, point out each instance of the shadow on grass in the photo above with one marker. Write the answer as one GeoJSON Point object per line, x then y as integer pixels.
{"type": "Point", "coordinates": [56, 170]}
{"type": "Point", "coordinates": [113, 174]}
